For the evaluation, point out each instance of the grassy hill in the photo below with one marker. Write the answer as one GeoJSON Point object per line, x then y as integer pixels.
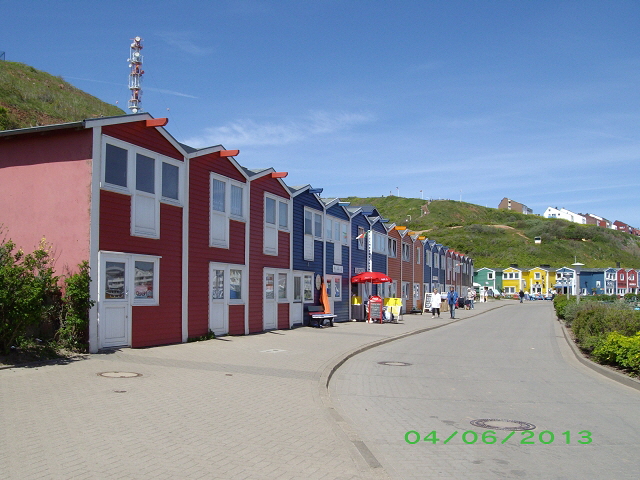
{"type": "Point", "coordinates": [497, 238]}
{"type": "Point", "coordinates": [29, 97]}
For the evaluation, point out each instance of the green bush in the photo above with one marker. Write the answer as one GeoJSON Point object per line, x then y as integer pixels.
{"type": "Point", "coordinates": [74, 314]}
{"type": "Point", "coordinates": [621, 350]}
{"type": "Point", "coordinates": [592, 322]}
{"type": "Point", "coordinates": [27, 285]}
{"type": "Point", "coordinates": [560, 304]}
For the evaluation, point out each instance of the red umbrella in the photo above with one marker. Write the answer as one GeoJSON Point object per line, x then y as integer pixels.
{"type": "Point", "coordinates": [373, 277]}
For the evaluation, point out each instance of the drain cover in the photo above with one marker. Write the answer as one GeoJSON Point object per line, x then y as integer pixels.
{"type": "Point", "coordinates": [498, 424]}
{"type": "Point", "coordinates": [395, 364]}
{"type": "Point", "coordinates": [119, 374]}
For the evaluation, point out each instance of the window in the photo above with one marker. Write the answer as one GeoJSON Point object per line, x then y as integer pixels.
{"type": "Point", "coordinates": [170, 181]}
{"type": "Point", "coordinates": [308, 287]}
{"type": "Point", "coordinates": [145, 280]}
{"type": "Point", "coordinates": [283, 215]}
{"type": "Point", "coordinates": [393, 247]}
{"type": "Point", "coordinates": [427, 258]}
{"type": "Point", "coordinates": [297, 289]}
{"type": "Point", "coordinates": [536, 275]}
{"type": "Point", "coordinates": [309, 242]}
{"type": "Point", "coordinates": [417, 256]}
{"type": "Point", "coordinates": [235, 284]}
{"type": "Point", "coordinates": [405, 252]}
{"type": "Point", "coordinates": [490, 276]}
{"type": "Point", "coordinates": [116, 165]}
{"type": "Point", "coordinates": [150, 178]}
{"type": "Point", "coordinates": [282, 286]}
{"type": "Point", "coordinates": [317, 225]}
{"type": "Point", "coordinates": [379, 243]}
{"type": "Point", "coordinates": [328, 223]}
{"type": "Point", "coordinates": [360, 238]}
{"type": "Point", "coordinates": [276, 217]}
{"type": "Point", "coordinates": [227, 201]}
{"type": "Point", "coordinates": [237, 204]}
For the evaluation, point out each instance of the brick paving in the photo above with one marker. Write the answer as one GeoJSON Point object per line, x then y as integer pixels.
{"type": "Point", "coordinates": [252, 407]}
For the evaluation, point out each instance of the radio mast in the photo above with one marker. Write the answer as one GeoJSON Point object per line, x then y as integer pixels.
{"type": "Point", "coordinates": [135, 76]}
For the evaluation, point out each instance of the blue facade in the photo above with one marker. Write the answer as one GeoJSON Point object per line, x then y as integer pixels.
{"type": "Point", "coordinates": [303, 198]}
{"type": "Point", "coordinates": [339, 270]}
{"type": "Point", "coordinates": [592, 281]}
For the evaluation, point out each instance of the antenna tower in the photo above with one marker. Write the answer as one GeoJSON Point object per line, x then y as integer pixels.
{"type": "Point", "coordinates": [135, 76]}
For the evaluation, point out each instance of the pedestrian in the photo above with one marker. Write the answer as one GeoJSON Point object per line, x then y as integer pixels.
{"type": "Point", "coordinates": [452, 300]}
{"type": "Point", "coordinates": [521, 295]}
{"type": "Point", "coordinates": [436, 299]}
{"type": "Point", "coordinates": [471, 296]}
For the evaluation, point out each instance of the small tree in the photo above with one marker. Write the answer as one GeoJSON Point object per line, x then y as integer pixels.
{"type": "Point", "coordinates": [74, 317]}
{"type": "Point", "coordinates": [26, 282]}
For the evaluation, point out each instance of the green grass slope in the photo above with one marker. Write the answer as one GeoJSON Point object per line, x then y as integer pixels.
{"type": "Point", "coordinates": [497, 238]}
{"type": "Point", "coordinates": [30, 97]}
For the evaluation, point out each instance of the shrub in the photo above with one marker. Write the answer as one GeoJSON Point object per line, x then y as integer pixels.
{"type": "Point", "coordinates": [74, 312]}
{"type": "Point", "coordinates": [27, 285]}
{"type": "Point", "coordinates": [620, 350]}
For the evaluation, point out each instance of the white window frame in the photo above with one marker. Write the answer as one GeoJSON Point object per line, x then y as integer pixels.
{"type": "Point", "coordinates": [139, 197]}
{"type": "Point", "coordinates": [361, 240]}
{"type": "Point", "coordinates": [271, 230]}
{"type": "Point", "coordinates": [156, 280]}
{"type": "Point", "coordinates": [406, 255]}
{"type": "Point", "coordinates": [393, 247]}
{"type": "Point", "coordinates": [309, 239]}
{"type": "Point", "coordinates": [418, 256]}
{"type": "Point", "coordinates": [220, 219]}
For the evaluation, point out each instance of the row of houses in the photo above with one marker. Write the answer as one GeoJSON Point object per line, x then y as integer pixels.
{"type": "Point", "coordinates": [183, 241]}
{"type": "Point", "coordinates": [589, 219]}
{"type": "Point", "coordinates": [563, 213]}
{"type": "Point", "coordinates": [565, 280]}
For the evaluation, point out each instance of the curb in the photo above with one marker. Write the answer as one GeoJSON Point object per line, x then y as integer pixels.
{"type": "Point", "coordinates": [596, 367]}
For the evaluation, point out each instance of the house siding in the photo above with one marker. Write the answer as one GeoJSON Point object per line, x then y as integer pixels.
{"type": "Point", "coordinates": [136, 133]}
{"type": "Point", "coordinates": [200, 253]}
{"type": "Point", "coordinates": [257, 259]}
{"type": "Point", "coordinates": [150, 325]}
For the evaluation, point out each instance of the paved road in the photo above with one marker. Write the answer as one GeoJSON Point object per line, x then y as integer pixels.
{"type": "Point", "coordinates": [239, 407]}
{"type": "Point", "coordinates": [511, 363]}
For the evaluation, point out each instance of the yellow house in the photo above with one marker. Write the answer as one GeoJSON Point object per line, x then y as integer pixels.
{"type": "Point", "coordinates": [536, 280]}
{"type": "Point", "coordinates": [511, 280]}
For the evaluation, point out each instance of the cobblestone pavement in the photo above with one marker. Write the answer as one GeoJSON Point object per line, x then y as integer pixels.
{"type": "Point", "coordinates": [249, 407]}
{"type": "Point", "coordinates": [512, 363]}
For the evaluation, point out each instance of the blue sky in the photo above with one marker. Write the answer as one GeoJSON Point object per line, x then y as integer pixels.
{"type": "Point", "coordinates": [476, 100]}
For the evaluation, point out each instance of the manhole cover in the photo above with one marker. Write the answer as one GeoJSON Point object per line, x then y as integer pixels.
{"type": "Point", "coordinates": [498, 424]}
{"type": "Point", "coordinates": [119, 374]}
{"type": "Point", "coordinates": [395, 364]}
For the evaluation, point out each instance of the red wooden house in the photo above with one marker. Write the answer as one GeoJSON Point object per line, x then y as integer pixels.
{"type": "Point", "coordinates": [269, 251]}
{"type": "Point", "coordinates": [109, 191]}
{"type": "Point", "coordinates": [407, 268]}
{"type": "Point", "coordinates": [632, 281]}
{"type": "Point", "coordinates": [218, 237]}
{"type": "Point", "coordinates": [394, 259]}
{"type": "Point", "coordinates": [621, 281]}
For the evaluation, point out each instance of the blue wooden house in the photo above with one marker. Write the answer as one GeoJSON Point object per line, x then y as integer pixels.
{"type": "Point", "coordinates": [307, 252]}
{"type": "Point", "coordinates": [337, 254]}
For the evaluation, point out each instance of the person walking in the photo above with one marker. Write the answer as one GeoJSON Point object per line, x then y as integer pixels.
{"type": "Point", "coordinates": [452, 300]}
{"type": "Point", "coordinates": [471, 296]}
{"type": "Point", "coordinates": [436, 299]}
{"type": "Point", "coordinates": [521, 295]}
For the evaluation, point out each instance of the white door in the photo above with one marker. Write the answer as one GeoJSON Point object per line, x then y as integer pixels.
{"type": "Point", "coordinates": [218, 302]}
{"type": "Point", "coordinates": [270, 301]}
{"type": "Point", "coordinates": [297, 309]}
{"type": "Point", "coordinates": [114, 327]}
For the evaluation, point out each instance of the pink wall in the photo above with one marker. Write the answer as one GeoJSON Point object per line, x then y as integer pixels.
{"type": "Point", "coordinates": [45, 191]}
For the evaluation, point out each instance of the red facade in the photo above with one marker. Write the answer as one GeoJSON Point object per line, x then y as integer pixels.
{"type": "Point", "coordinates": [200, 253]}
{"type": "Point", "coordinates": [258, 260]}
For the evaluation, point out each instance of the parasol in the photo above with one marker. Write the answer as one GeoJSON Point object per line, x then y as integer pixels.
{"type": "Point", "coordinates": [370, 277]}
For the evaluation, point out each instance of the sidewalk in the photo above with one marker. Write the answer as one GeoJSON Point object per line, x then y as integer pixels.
{"type": "Point", "coordinates": [235, 407]}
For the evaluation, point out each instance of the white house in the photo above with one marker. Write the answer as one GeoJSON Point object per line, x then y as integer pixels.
{"type": "Point", "coordinates": [554, 212]}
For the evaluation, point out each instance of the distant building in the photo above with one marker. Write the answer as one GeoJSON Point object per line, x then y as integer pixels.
{"type": "Point", "coordinates": [596, 220]}
{"type": "Point", "coordinates": [508, 204]}
{"type": "Point", "coordinates": [555, 212]}
{"type": "Point", "coordinates": [623, 227]}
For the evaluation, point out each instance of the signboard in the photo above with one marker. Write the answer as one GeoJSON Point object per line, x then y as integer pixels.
{"type": "Point", "coordinates": [427, 302]}
{"type": "Point", "coordinates": [375, 308]}
{"type": "Point", "coordinates": [338, 269]}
